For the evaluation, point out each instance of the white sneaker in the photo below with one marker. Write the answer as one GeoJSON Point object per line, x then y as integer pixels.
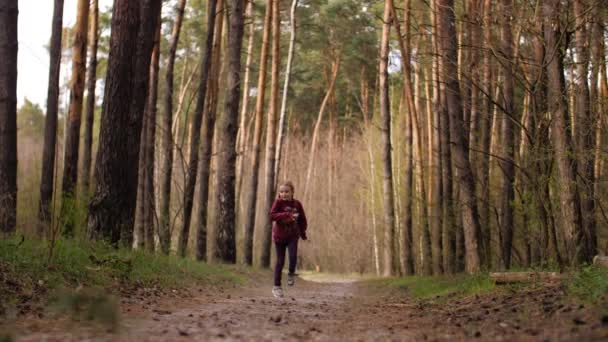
{"type": "Point", "coordinates": [291, 279]}
{"type": "Point", "coordinates": [277, 292]}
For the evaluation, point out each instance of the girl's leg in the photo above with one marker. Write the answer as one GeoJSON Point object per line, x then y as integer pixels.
{"type": "Point", "coordinates": [278, 268]}
{"type": "Point", "coordinates": [293, 255]}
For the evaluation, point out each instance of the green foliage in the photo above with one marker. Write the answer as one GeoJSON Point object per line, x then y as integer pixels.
{"type": "Point", "coordinates": [30, 120]}
{"type": "Point", "coordinates": [422, 287]}
{"type": "Point", "coordinates": [84, 263]}
{"type": "Point", "coordinates": [590, 284]}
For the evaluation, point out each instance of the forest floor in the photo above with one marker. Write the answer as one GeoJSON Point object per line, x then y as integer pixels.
{"type": "Point", "coordinates": [329, 310]}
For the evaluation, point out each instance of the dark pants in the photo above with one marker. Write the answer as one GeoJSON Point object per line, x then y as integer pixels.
{"type": "Point", "coordinates": [280, 247]}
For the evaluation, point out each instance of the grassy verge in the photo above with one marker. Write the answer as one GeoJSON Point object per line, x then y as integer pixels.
{"type": "Point", "coordinates": [590, 285]}
{"type": "Point", "coordinates": [424, 287]}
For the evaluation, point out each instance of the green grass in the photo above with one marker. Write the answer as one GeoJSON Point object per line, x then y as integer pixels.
{"type": "Point", "coordinates": [590, 285]}
{"type": "Point", "coordinates": [422, 287]}
{"type": "Point", "coordinates": [76, 262]}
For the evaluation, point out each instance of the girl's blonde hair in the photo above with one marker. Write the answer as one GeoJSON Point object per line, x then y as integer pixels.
{"type": "Point", "coordinates": [289, 184]}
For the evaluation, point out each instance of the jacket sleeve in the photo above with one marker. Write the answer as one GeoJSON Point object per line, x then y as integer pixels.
{"type": "Point", "coordinates": [279, 216]}
{"type": "Point", "coordinates": [302, 222]}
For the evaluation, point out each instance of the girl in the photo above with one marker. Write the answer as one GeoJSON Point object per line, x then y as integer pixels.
{"type": "Point", "coordinates": [288, 225]}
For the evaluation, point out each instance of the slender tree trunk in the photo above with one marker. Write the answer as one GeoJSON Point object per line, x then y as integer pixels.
{"type": "Point", "coordinates": [207, 134]}
{"type": "Point", "coordinates": [586, 133]}
{"type": "Point", "coordinates": [292, 43]}
{"type": "Point", "coordinates": [50, 121]}
{"type": "Point", "coordinates": [8, 115]}
{"type": "Point", "coordinates": [90, 108]}
{"type": "Point", "coordinates": [486, 120]}
{"type": "Point", "coordinates": [242, 134]}
{"type": "Point", "coordinates": [150, 117]}
{"type": "Point", "coordinates": [508, 136]}
{"type": "Point", "coordinates": [164, 229]}
{"type": "Point", "coordinates": [385, 112]}
{"type": "Point", "coordinates": [72, 136]}
{"type": "Point", "coordinates": [562, 139]}
{"type": "Point", "coordinates": [111, 211]}
{"type": "Point", "coordinates": [251, 191]}
{"type": "Point", "coordinates": [335, 67]}
{"type": "Point", "coordinates": [228, 124]}
{"type": "Point", "coordinates": [461, 162]}
{"type": "Point", "coordinates": [195, 137]}
{"type": "Point", "coordinates": [271, 135]}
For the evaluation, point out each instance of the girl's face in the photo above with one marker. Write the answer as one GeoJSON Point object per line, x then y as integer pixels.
{"type": "Point", "coordinates": [285, 192]}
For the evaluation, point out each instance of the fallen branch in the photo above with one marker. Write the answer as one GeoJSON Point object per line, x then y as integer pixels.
{"type": "Point", "coordinates": [522, 277]}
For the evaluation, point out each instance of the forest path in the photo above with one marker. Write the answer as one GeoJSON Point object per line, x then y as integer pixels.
{"type": "Point", "coordinates": [339, 309]}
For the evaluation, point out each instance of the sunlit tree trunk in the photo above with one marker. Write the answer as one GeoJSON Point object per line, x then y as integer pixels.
{"type": "Point", "coordinates": [195, 137]}
{"type": "Point", "coordinates": [271, 136]}
{"type": "Point", "coordinates": [72, 136]}
{"type": "Point", "coordinates": [468, 205]}
{"type": "Point", "coordinates": [251, 189]}
{"type": "Point", "coordinates": [292, 43]}
{"type": "Point", "coordinates": [242, 134]}
{"type": "Point", "coordinates": [164, 229]}
{"type": "Point", "coordinates": [385, 126]}
{"type": "Point", "coordinates": [50, 121]}
{"type": "Point", "coordinates": [228, 124]}
{"type": "Point", "coordinates": [90, 108]}
{"type": "Point", "coordinates": [8, 115]}
{"type": "Point", "coordinates": [571, 220]}
{"type": "Point", "coordinates": [112, 207]}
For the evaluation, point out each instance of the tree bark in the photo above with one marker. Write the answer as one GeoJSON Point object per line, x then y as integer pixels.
{"type": "Point", "coordinates": [508, 136]}
{"type": "Point", "coordinates": [283, 113]}
{"type": "Point", "coordinates": [111, 211]}
{"type": "Point", "coordinates": [228, 124]}
{"type": "Point", "coordinates": [195, 137]}
{"type": "Point", "coordinates": [164, 229]}
{"type": "Point", "coordinates": [562, 139]}
{"type": "Point", "coordinates": [8, 115]}
{"type": "Point", "coordinates": [271, 135]}
{"type": "Point", "coordinates": [72, 136]}
{"type": "Point", "coordinates": [50, 121]}
{"type": "Point", "coordinates": [457, 141]}
{"type": "Point", "coordinates": [252, 187]}
{"type": "Point", "coordinates": [586, 132]}
{"type": "Point", "coordinates": [385, 112]}
{"type": "Point", "coordinates": [242, 135]}
{"type": "Point", "coordinates": [90, 106]}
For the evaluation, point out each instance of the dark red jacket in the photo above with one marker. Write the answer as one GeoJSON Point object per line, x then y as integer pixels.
{"type": "Point", "coordinates": [284, 227]}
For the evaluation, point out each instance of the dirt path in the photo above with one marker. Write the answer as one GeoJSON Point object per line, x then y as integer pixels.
{"type": "Point", "coordinates": [339, 311]}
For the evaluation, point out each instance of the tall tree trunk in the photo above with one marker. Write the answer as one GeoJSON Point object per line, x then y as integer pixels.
{"type": "Point", "coordinates": [335, 67]}
{"type": "Point", "coordinates": [385, 112]}
{"type": "Point", "coordinates": [251, 192]}
{"type": "Point", "coordinates": [50, 121]}
{"type": "Point", "coordinates": [164, 229]}
{"type": "Point", "coordinates": [207, 134]}
{"type": "Point", "coordinates": [271, 135]}
{"type": "Point", "coordinates": [195, 137]}
{"type": "Point", "coordinates": [72, 136]}
{"type": "Point", "coordinates": [461, 162]}
{"type": "Point", "coordinates": [560, 130]}
{"type": "Point", "coordinates": [8, 115]}
{"type": "Point", "coordinates": [90, 108]}
{"type": "Point", "coordinates": [508, 135]}
{"type": "Point", "coordinates": [228, 124]}
{"type": "Point", "coordinates": [111, 211]}
{"type": "Point", "coordinates": [292, 43]}
{"type": "Point", "coordinates": [485, 126]}
{"type": "Point", "coordinates": [586, 133]}
{"type": "Point", "coordinates": [242, 133]}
